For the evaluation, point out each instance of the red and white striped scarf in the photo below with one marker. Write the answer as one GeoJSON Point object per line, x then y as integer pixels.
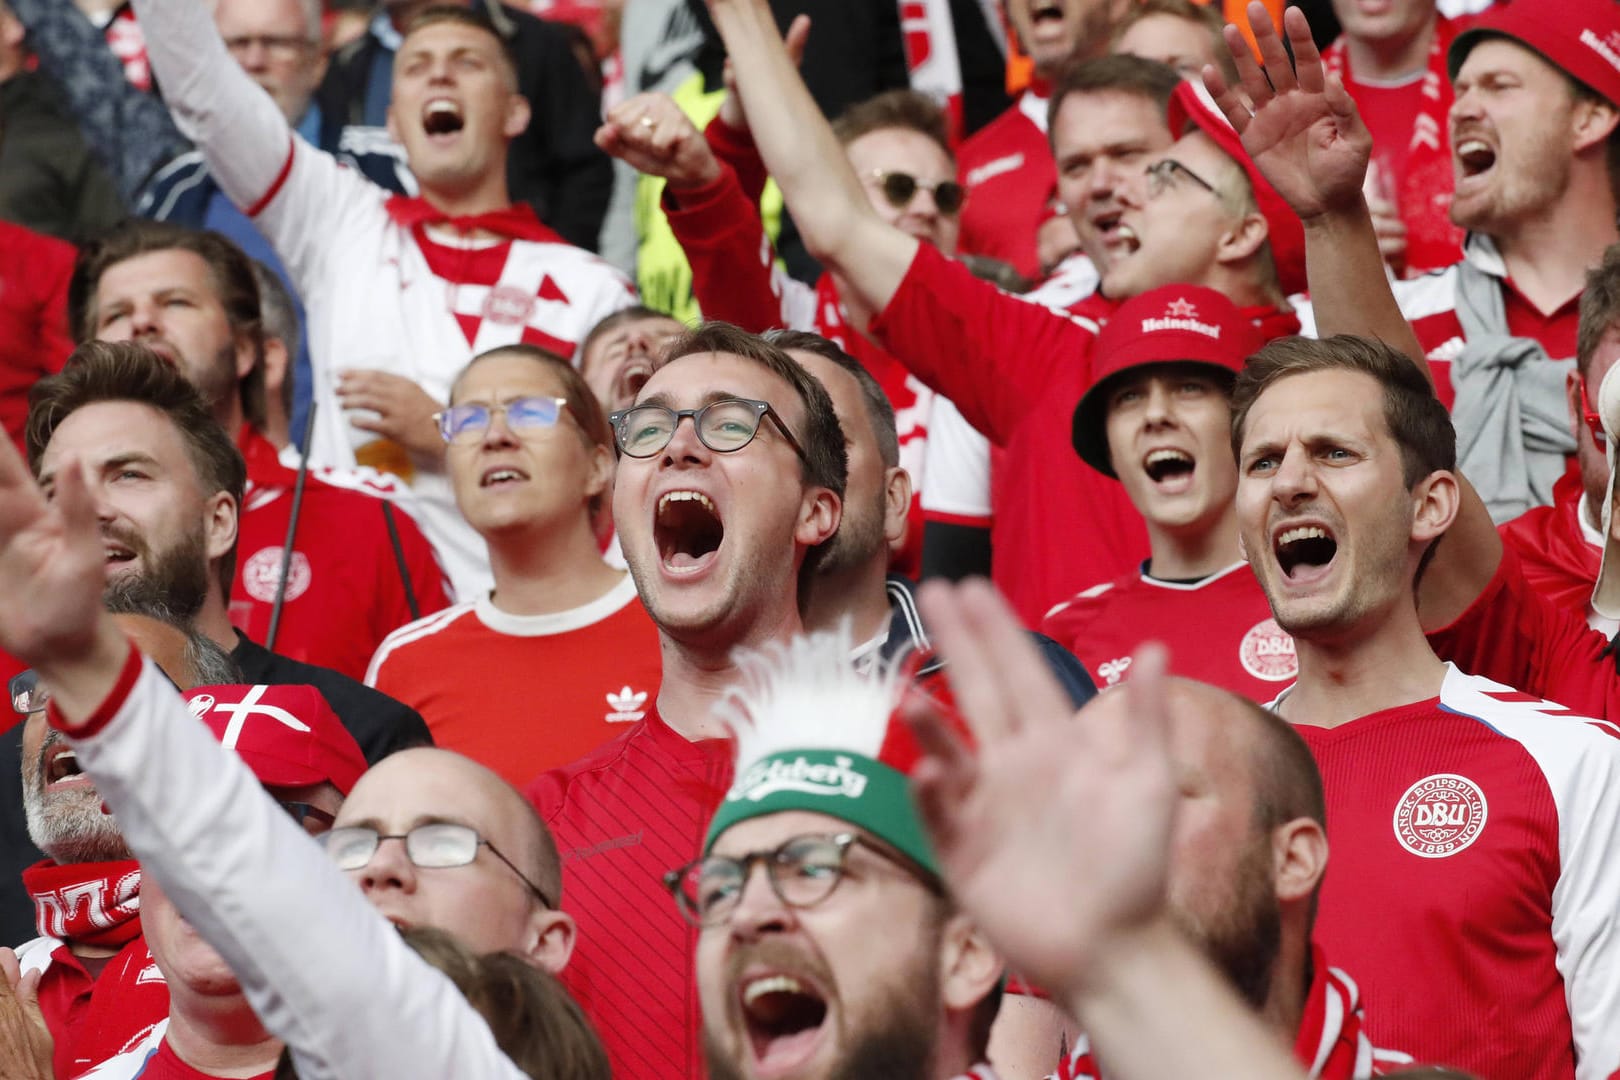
{"type": "Point", "coordinates": [1331, 1042]}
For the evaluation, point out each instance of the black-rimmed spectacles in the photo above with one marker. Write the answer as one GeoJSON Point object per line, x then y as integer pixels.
{"type": "Point", "coordinates": [724, 426]}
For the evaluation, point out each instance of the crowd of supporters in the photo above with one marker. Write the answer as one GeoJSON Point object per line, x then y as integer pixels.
{"type": "Point", "coordinates": [788, 540]}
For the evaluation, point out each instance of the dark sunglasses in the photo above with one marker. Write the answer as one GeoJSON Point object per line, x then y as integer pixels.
{"type": "Point", "coordinates": [900, 188]}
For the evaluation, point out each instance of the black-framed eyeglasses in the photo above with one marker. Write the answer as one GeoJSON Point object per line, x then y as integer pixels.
{"type": "Point", "coordinates": [803, 871]}
{"type": "Point", "coordinates": [899, 188]}
{"type": "Point", "coordinates": [312, 819]}
{"type": "Point", "coordinates": [467, 422]}
{"type": "Point", "coordinates": [724, 426]}
{"type": "Point", "coordinates": [28, 694]}
{"type": "Point", "coordinates": [1162, 174]}
{"type": "Point", "coordinates": [436, 845]}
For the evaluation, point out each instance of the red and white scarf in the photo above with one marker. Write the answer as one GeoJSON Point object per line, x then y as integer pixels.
{"type": "Point", "coordinates": [95, 903]}
{"type": "Point", "coordinates": [1331, 1042]}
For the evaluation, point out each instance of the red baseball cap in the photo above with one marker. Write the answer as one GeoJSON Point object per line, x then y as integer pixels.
{"type": "Point", "coordinates": [1175, 324]}
{"type": "Point", "coordinates": [1579, 37]}
{"type": "Point", "coordinates": [288, 735]}
{"type": "Point", "coordinates": [1191, 106]}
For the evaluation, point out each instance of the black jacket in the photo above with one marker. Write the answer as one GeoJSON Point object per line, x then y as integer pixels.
{"type": "Point", "coordinates": [554, 166]}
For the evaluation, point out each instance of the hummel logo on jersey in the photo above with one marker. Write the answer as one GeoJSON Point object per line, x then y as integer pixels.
{"type": "Point", "coordinates": [625, 707]}
{"type": "Point", "coordinates": [1114, 670]}
{"type": "Point", "coordinates": [773, 775]}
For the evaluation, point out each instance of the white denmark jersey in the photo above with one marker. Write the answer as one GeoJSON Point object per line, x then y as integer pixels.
{"type": "Point", "coordinates": [371, 298]}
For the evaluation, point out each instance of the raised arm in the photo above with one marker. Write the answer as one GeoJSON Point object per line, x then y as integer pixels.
{"type": "Point", "coordinates": [323, 970]}
{"type": "Point", "coordinates": [1054, 835]}
{"type": "Point", "coordinates": [829, 206]}
{"type": "Point", "coordinates": [1307, 137]}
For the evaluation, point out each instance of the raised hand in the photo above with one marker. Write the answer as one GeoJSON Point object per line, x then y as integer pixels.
{"type": "Point", "coordinates": [651, 134]}
{"type": "Point", "coordinates": [25, 1041]}
{"type": "Point", "coordinates": [404, 411]}
{"type": "Point", "coordinates": [731, 106]}
{"type": "Point", "coordinates": [1301, 128]}
{"type": "Point", "coordinates": [1054, 834]}
{"type": "Point", "coordinates": [52, 563]}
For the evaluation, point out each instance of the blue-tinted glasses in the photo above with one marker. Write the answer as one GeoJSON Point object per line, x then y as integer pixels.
{"type": "Point", "coordinates": [468, 422]}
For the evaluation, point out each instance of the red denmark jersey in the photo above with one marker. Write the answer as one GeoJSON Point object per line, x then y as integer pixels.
{"type": "Point", "coordinates": [1016, 371]}
{"type": "Point", "coordinates": [34, 336]}
{"type": "Point", "coordinates": [344, 590]}
{"type": "Point", "coordinates": [1473, 877]}
{"type": "Point", "coordinates": [1515, 634]}
{"type": "Point", "coordinates": [525, 693]}
{"type": "Point", "coordinates": [622, 816]}
{"type": "Point", "coordinates": [1007, 169]}
{"type": "Point", "coordinates": [1430, 305]}
{"type": "Point", "coordinates": [1412, 152]}
{"type": "Point", "coordinates": [1219, 630]}
{"type": "Point", "coordinates": [735, 279]}
{"type": "Point", "coordinates": [1558, 554]}
{"type": "Point", "coordinates": [1330, 1043]}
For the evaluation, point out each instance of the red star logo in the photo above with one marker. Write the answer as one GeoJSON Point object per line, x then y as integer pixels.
{"type": "Point", "coordinates": [1181, 309]}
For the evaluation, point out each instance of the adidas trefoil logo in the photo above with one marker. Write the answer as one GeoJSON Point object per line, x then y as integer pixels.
{"type": "Point", "coordinates": [625, 707]}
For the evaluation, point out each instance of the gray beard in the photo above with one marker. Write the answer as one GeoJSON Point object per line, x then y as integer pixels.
{"type": "Point", "coordinates": [69, 825]}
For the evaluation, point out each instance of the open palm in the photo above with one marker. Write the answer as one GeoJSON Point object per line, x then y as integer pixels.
{"type": "Point", "coordinates": [1300, 126]}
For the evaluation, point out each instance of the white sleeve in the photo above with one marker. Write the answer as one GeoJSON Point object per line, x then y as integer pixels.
{"type": "Point", "coordinates": [250, 151]}
{"type": "Point", "coordinates": [322, 969]}
{"type": "Point", "coordinates": [1580, 762]}
{"type": "Point", "coordinates": [956, 477]}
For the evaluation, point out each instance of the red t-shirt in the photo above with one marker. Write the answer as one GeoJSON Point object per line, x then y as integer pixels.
{"type": "Point", "coordinates": [525, 693]}
{"type": "Point", "coordinates": [1412, 150]}
{"type": "Point", "coordinates": [93, 1019]}
{"type": "Point", "coordinates": [344, 590]}
{"type": "Point", "coordinates": [1514, 634]}
{"type": "Point", "coordinates": [1473, 879]}
{"type": "Point", "coordinates": [623, 816]}
{"type": "Point", "coordinates": [158, 1062]}
{"type": "Point", "coordinates": [1016, 371]}
{"type": "Point", "coordinates": [1557, 557]}
{"type": "Point", "coordinates": [1007, 169]}
{"type": "Point", "coordinates": [35, 340]}
{"type": "Point", "coordinates": [1219, 630]}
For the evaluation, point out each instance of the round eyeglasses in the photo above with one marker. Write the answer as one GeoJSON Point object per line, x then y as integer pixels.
{"type": "Point", "coordinates": [899, 188]}
{"type": "Point", "coordinates": [803, 871]}
{"type": "Point", "coordinates": [468, 422]}
{"type": "Point", "coordinates": [436, 845]}
{"type": "Point", "coordinates": [724, 426]}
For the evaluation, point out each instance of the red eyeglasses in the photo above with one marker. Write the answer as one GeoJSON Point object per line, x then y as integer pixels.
{"type": "Point", "coordinates": [1594, 422]}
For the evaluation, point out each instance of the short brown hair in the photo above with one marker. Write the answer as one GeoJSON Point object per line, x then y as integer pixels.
{"type": "Point", "coordinates": [1208, 17]}
{"type": "Point", "coordinates": [1120, 74]}
{"type": "Point", "coordinates": [907, 110]}
{"type": "Point", "coordinates": [879, 410]}
{"type": "Point", "coordinates": [826, 462]}
{"type": "Point", "coordinates": [106, 371]}
{"type": "Point", "coordinates": [228, 266]}
{"type": "Point", "coordinates": [1600, 308]}
{"type": "Point", "coordinates": [609, 323]}
{"type": "Point", "coordinates": [1417, 421]}
{"type": "Point", "coordinates": [435, 14]}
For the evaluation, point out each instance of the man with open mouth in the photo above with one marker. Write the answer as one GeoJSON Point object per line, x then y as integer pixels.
{"type": "Point", "coordinates": [826, 944]}
{"type": "Point", "coordinates": [1158, 421]}
{"type": "Point", "coordinates": [1440, 784]}
{"type": "Point", "coordinates": [730, 483]}
{"type": "Point", "coordinates": [400, 292]}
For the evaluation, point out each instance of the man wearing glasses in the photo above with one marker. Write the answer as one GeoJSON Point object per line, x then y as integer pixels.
{"type": "Point", "coordinates": [730, 484]}
{"type": "Point", "coordinates": [826, 944]}
{"type": "Point", "coordinates": [896, 143]}
{"type": "Point", "coordinates": [1014, 370]}
{"type": "Point", "coordinates": [529, 454]}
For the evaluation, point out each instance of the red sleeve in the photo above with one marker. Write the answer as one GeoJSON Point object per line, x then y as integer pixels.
{"type": "Point", "coordinates": [55, 336]}
{"type": "Point", "coordinates": [991, 353]}
{"type": "Point", "coordinates": [1514, 635]}
{"type": "Point", "coordinates": [732, 260]}
{"type": "Point", "coordinates": [736, 148]}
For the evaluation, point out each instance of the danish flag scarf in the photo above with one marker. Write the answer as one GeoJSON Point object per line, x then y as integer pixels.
{"type": "Point", "coordinates": [1423, 188]}
{"type": "Point", "coordinates": [1330, 1043]}
{"type": "Point", "coordinates": [96, 903]}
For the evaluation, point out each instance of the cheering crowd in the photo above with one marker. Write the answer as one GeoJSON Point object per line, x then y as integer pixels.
{"type": "Point", "coordinates": [781, 540]}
